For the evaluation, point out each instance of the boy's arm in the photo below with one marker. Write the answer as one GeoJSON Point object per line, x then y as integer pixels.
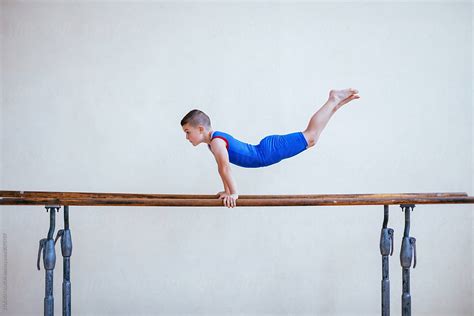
{"type": "Point", "coordinates": [226, 187]}
{"type": "Point", "coordinates": [219, 150]}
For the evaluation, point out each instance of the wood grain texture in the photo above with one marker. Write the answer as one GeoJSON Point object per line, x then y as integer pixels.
{"type": "Point", "coordinates": [180, 200]}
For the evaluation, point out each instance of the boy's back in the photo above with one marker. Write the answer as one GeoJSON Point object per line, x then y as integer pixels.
{"type": "Point", "coordinates": [270, 150]}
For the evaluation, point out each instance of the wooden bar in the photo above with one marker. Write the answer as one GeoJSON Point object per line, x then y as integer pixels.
{"type": "Point", "coordinates": [92, 195]}
{"type": "Point", "coordinates": [325, 201]}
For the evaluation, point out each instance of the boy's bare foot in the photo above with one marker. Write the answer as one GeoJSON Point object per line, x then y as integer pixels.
{"type": "Point", "coordinates": [341, 97]}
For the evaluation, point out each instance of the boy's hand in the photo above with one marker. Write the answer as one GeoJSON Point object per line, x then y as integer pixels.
{"type": "Point", "coordinates": [230, 200]}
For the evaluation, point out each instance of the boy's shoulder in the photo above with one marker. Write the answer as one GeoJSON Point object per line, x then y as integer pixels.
{"type": "Point", "coordinates": [219, 139]}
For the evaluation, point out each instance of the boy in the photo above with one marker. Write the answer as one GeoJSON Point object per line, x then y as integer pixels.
{"type": "Point", "coordinates": [271, 149]}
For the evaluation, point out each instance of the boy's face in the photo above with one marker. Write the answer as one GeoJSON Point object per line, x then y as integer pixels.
{"type": "Point", "coordinates": [195, 135]}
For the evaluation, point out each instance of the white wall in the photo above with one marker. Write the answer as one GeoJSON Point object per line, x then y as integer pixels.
{"type": "Point", "coordinates": [3, 252]}
{"type": "Point", "coordinates": [92, 98]}
{"type": "Point", "coordinates": [472, 156]}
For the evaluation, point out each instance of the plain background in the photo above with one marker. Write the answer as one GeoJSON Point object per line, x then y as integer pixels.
{"type": "Point", "coordinates": [91, 99]}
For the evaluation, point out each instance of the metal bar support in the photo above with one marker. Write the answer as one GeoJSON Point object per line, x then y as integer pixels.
{"type": "Point", "coordinates": [66, 250]}
{"type": "Point", "coordinates": [49, 260]}
{"type": "Point", "coordinates": [386, 249]}
{"type": "Point", "coordinates": [407, 254]}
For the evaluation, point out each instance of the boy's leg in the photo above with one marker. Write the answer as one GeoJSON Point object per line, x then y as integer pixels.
{"type": "Point", "coordinates": [319, 120]}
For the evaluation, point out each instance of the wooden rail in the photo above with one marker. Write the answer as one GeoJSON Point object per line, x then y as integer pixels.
{"type": "Point", "coordinates": [80, 195]}
{"type": "Point", "coordinates": [182, 200]}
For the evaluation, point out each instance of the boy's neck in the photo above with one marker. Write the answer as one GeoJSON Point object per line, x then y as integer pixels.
{"type": "Point", "coordinates": [207, 138]}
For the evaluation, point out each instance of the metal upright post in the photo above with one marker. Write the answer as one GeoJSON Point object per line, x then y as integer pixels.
{"type": "Point", "coordinates": [386, 249]}
{"type": "Point", "coordinates": [49, 261]}
{"type": "Point", "coordinates": [407, 253]}
{"type": "Point", "coordinates": [66, 250]}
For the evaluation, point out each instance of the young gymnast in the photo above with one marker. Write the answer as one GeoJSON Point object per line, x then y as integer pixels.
{"type": "Point", "coordinates": [271, 149]}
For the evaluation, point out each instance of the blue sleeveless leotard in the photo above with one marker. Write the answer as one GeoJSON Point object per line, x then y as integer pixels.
{"type": "Point", "coordinates": [269, 151]}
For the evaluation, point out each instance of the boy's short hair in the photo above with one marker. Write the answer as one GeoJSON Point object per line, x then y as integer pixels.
{"type": "Point", "coordinates": [195, 118]}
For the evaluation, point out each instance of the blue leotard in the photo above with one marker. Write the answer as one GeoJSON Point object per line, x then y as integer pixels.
{"type": "Point", "coordinates": [269, 151]}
